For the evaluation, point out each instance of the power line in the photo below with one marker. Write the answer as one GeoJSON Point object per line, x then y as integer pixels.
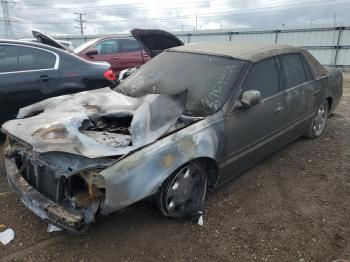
{"type": "Point", "coordinates": [168, 7]}
{"type": "Point", "coordinates": [310, 5]}
{"type": "Point", "coordinates": [255, 12]}
{"type": "Point", "coordinates": [235, 9]}
{"type": "Point", "coordinates": [81, 22]}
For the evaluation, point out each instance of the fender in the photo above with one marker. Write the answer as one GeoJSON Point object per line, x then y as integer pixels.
{"type": "Point", "coordinates": [141, 174]}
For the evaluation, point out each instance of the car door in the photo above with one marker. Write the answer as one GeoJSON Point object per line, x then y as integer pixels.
{"type": "Point", "coordinates": [251, 133]}
{"type": "Point", "coordinates": [316, 85]}
{"type": "Point", "coordinates": [130, 54]}
{"type": "Point", "coordinates": [302, 92]}
{"type": "Point", "coordinates": [25, 74]}
{"type": "Point", "coordinates": [108, 51]}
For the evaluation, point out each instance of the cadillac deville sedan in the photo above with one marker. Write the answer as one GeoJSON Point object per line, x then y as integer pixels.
{"type": "Point", "coordinates": [188, 121]}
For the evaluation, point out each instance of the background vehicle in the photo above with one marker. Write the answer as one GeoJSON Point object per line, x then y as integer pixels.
{"type": "Point", "coordinates": [30, 72]}
{"type": "Point", "coordinates": [121, 53]}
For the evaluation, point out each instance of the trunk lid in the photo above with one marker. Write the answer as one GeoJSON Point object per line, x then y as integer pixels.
{"type": "Point", "coordinates": [47, 40]}
{"type": "Point", "coordinates": [155, 41]}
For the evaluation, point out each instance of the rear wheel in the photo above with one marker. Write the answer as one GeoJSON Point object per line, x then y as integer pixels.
{"type": "Point", "coordinates": [183, 194]}
{"type": "Point", "coordinates": [318, 123]}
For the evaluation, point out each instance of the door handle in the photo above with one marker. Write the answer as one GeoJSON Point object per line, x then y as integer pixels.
{"type": "Point", "coordinates": [145, 55]}
{"type": "Point", "coordinates": [115, 57]}
{"type": "Point", "coordinates": [278, 110]}
{"type": "Point", "coordinates": [44, 78]}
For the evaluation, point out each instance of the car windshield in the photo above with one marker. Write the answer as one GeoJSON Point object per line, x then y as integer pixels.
{"type": "Point", "coordinates": [85, 45]}
{"type": "Point", "coordinates": [207, 79]}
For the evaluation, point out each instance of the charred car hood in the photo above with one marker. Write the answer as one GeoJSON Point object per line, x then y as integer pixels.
{"type": "Point", "coordinates": [155, 41]}
{"type": "Point", "coordinates": [47, 40]}
{"type": "Point", "coordinates": [96, 123]}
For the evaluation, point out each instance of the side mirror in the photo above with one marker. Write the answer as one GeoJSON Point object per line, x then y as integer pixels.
{"type": "Point", "coordinates": [250, 98]}
{"type": "Point", "coordinates": [91, 52]}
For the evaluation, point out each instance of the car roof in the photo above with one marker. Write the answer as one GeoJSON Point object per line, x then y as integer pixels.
{"type": "Point", "coordinates": [253, 52]}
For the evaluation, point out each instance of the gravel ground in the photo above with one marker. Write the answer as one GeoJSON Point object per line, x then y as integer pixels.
{"type": "Point", "coordinates": [294, 206]}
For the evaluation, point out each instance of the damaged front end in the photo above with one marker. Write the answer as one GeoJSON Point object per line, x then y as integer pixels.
{"type": "Point", "coordinates": [57, 148]}
{"type": "Point", "coordinates": [65, 189]}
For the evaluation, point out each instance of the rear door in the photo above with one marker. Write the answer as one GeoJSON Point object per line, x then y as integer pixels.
{"type": "Point", "coordinates": [46, 40]}
{"type": "Point", "coordinates": [251, 133]}
{"type": "Point", "coordinates": [25, 75]}
{"type": "Point", "coordinates": [130, 54]}
{"type": "Point", "coordinates": [299, 87]}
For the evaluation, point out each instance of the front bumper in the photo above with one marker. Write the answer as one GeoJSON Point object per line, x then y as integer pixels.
{"type": "Point", "coordinates": [55, 213]}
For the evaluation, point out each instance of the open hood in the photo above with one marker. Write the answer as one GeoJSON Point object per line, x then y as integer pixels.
{"type": "Point", "coordinates": [155, 41]}
{"type": "Point", "coordinates": [46, 40]}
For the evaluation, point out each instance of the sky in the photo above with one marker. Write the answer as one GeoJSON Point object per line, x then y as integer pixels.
{"type": "Point", "coordinates": [57, 17]}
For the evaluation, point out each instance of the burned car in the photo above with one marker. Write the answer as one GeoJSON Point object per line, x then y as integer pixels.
{"type": "Point", "coordinates": [188, 121]}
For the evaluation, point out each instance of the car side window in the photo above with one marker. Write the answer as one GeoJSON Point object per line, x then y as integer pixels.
{"type": "Point", "coordinates": [263, 76]}
{"type": "Point", "coordinates": [25, 58]}
{"type": "Point", "coordinates": [109, 46]}
{"type": "Point", "coordinates": [309, 76]}
{"type": "Point", "coordinates": [293, 70]}
{"type": "Point", "coordinates": [128, 45]}
{"type": "Point", "coordinates": [8, 58]}
{"type": "Point", "coordinates": [15, 58]}
{"type": "Point", "coordinates": [43, 59]}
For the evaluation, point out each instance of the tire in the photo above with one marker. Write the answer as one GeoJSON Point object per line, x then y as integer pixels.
{"type": "Point", "coordinates": [183, 193]}
{"type": "Point", "coordinates": [318, 122]}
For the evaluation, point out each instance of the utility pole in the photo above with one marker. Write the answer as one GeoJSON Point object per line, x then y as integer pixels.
{"type": "Point", "coordinates": [6, 17]}
{"type": "Point", "coordinates": [81, 22]}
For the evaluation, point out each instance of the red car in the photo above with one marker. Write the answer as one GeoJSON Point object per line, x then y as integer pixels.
{"type": "Point", "coordinates": [120, 53]}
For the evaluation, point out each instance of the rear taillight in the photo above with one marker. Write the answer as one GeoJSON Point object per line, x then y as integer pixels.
{"type": "Point", "coordinates": [109, 74]}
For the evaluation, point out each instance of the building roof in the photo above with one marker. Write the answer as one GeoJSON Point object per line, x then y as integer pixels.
{"type": "Point", "coordinates": [253, 52]}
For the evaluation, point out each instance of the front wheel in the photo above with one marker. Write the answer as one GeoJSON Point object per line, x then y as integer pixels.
{"type": "Point", "coordinates": [318, 123]}
{"type": "Point", "coordinates": [183, 194]}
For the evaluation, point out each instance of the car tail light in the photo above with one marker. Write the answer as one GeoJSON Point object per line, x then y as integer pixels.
{"type": "Point", "coordinates": [109, 74]}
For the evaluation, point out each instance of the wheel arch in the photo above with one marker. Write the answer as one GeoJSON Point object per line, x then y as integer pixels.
{"type": "Point", "coordinates": [211, 168]}
{"type": "Point", "coordinates": [209, 165]}
{"type": "Point", "coordinates": [330, 103]}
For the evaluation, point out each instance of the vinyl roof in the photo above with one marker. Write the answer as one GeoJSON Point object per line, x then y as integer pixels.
{"type": "Point", "coordinates": [240, 50]}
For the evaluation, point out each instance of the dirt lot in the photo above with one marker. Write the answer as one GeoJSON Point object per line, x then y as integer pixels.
{"type": "Point", "coordinates": [294, 206]}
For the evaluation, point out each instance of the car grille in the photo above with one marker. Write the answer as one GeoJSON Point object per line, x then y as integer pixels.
{"type": "Point", "coordinates": [41, 178]}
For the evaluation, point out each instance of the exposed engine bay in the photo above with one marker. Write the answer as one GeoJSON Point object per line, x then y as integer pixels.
{"type": "Point", "coordinates": [108, 131]}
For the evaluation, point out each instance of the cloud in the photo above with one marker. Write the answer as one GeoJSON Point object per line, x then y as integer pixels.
{"type": "Point", "coordinates": [56, 17]}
